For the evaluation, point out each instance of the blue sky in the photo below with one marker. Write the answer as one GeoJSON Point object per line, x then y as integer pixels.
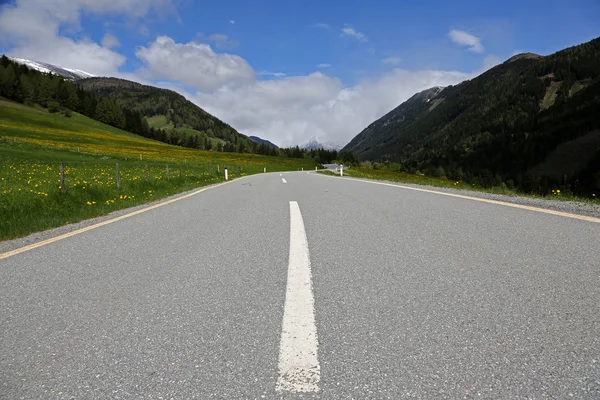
{"type": "Point", "coordinates": [292, 71]}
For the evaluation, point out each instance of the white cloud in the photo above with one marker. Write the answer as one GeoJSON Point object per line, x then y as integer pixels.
{"type": "Point", "coordinates": [110, 41]}
{"type": "Point", "coordinates": [31, 29]}
{"type": "Point", "coordinates": [463, 38]}
{"type": "Point", "coordinates": [194, 64]}
{"type": "Point", "coordinates": [287, 110]}
{"type": "Point", "coordinates": [273, 74]}
{"type": "Point", "coordinates": [222, 41]}
{"type": "Point", "coordinates": [391, 60]}
{"type": "Point", "coordinates": [490, 62]}
{"type": "Point", "coordinates": [322, 26]}
{"type": "Point", "coordinates": [294, 110]}
{"type": "Point", "coordinates": [324, 65]}
{"type": "Point", "coordinates": [351, 32]}
{"type": "Point", "coordinates": [232, 22]}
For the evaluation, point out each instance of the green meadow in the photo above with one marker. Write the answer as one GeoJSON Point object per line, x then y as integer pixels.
{"type": "Point", "coordinates": [33, 143]}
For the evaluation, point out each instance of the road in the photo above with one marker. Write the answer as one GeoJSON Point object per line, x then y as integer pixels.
{"type": "Point", "coordinates": [319, 287]}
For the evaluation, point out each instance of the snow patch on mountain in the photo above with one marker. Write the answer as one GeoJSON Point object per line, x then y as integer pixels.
{"type": "Point", "coordinates": [313, 144]}
{"type": "Point", "coordinates": [67, 73]}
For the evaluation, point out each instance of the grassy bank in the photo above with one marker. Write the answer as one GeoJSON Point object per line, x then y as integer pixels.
{"type": "Point", "coordinates": [34, 142]}
{"type": "Point", "coordinates": [403, 177]}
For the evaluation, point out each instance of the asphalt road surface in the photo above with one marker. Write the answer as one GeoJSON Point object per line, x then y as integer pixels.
{"type": "Point", "coordinates": [319, 287]}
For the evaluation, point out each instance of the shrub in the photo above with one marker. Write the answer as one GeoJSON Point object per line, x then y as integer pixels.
{"type": "Point", "coordinates": [53, 106]}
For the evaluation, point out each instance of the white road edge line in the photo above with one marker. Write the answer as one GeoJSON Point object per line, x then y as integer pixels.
{"type": "Point", "coordinates": [299, 369]}
{"type": "Point", "coordinates": [482, 200]}
{"type": "Point", "coordinates": [283, 180]}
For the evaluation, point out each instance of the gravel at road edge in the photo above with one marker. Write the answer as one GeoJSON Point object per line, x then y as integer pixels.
{"type": "Point", "coordinates": [591, 210]}
{"type": "Point", "coordinates": [572, 207]}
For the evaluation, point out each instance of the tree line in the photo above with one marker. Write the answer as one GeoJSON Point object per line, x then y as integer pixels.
{"type": "Point", "coordinates": [24, 85]}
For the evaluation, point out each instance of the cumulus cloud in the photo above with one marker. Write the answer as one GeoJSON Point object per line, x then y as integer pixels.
{"type": "Point", "coordinates": [194, 64]}
{"type": "Point", "coordinates": [353, 33]}
{"type": "Point", "coordinates": [110, 41]}
{"type": "Point", "coordinates": [289, 110]}
{"type": "Point", "coordinates": [294, 110]}
{"type": "Point", "coordinates": [273, 74]}
{"type": "Point", "coordinates": [220, 40]}
{"type": "Point", "coordinates": [472, 42]}
{"type": "Point", "coordinates": [391, 60]}
{"type": "Point", "coordinates": [324, 65]}
{"type": "Point", "coordinates": [32, 29]}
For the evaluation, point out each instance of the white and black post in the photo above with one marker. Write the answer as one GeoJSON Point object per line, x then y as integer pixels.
{"type": "Point", "coordinates": [226, 174]}
{"type": "Point", "coordinates": [341, 169]}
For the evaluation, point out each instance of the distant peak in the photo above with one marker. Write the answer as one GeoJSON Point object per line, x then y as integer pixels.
{"type": "Point", "coordinates": [67, 73]}
{"type": "Point", "coordinates": [531, 56]}
{"type": "Point", "coordinates": [314, 144]}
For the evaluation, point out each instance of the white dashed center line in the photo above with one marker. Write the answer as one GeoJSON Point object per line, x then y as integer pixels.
{"type": "Point", "coordinates": [283, 180]}
{"type": "Point", "coordinates": [299, 369]}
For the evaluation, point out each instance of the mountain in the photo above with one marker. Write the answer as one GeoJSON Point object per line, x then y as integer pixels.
{"type": "Point", "coordinates": [315, 145]}
{"type": "Point", "coordinates": [174, 110]}
{"type": "Point", "coordinates": [258, 140]}
{"type": "Point", "coordinates": [514, 123]}
{"type": "Point", "coordinates": [66, 73]}
{"type": "Point", "coordinates": [375, 138]}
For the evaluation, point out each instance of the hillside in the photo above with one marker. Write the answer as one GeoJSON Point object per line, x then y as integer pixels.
{"type": "Point", "coordinates": [66, 73]}
{"type": "Point", "coordinates": [501, 125]}
{"type": "Point", "coordinates": [33, 141]}
{"type": "Point", "coordinates": [258, 140]}
{"type": "Point", "coordinates": [176, 110]}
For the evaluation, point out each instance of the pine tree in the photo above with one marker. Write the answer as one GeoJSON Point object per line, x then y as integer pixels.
{"type": "Point", "coordinates": [104, 111]}
{"type": "Point", "coordinates": [8, 82]}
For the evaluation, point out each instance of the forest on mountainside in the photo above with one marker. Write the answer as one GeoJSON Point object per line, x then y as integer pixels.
{"type": "Point", "coordinates": [24, 85]}
{"type": "Point", "coordinates": [499, 127]}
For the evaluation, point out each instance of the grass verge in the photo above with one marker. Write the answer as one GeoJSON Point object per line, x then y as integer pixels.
{"type": "Point", "coordinates": [34, 142]}
{"type": "Point", "coordinates": [402, 177]}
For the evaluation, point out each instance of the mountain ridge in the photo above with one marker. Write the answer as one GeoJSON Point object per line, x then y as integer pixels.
{"type": "Point", "coordinates": [67, 73]}
{"type": "Point", "coordinates": [314, 144]}
{"type": "Point", "coordinates": [500, 125]}
{"type": "Point", "coordinates": [258, 140]}
{"type": "Point", "coordinates": [151, 101]}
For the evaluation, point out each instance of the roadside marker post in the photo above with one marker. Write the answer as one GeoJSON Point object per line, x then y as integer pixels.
{"type": "Point", "coordinates": [265, 169]}
{"type": "Point", "coordinates": [226, 175]}
{"type": "Point", "coordinates": [341, 169]}
{"type": "Point", "coordinates": [62, 177]}
{"type": "Point", "coordinates": [118, 178]}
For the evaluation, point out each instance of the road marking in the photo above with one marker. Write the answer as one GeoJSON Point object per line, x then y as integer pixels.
{"type": "Point", "coordinates": [497, 202]}
{"type": "Point", "coordinates": [299, 369]}
{"type": "Point", "coordinates": [110, 221]}
{"type": "Point", "coordinates": [283, 180]}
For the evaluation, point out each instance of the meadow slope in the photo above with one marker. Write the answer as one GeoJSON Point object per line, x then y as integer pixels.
{"type": "Point", "coordinates": [33, 143]}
